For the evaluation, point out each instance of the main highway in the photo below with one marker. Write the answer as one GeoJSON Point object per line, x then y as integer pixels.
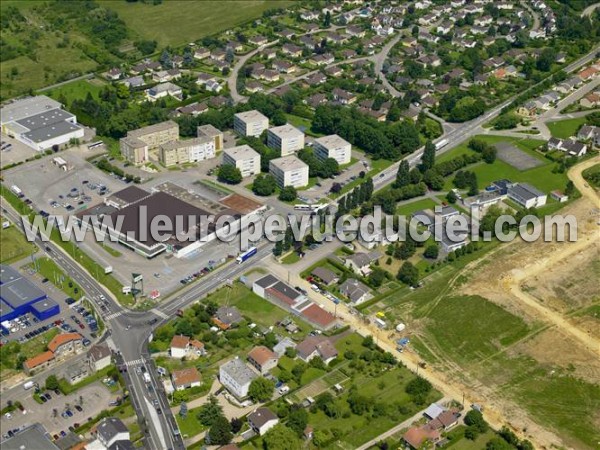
{"type": "Point", "coordinates": [130, 331]}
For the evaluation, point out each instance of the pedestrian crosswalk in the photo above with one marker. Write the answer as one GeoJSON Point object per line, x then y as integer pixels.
{"type": "Point", "coordinates": [113, 315]}
{"type": "Point", "coordinates": [134, 363]}
{"type": "Point", "coordinates": [159, 313]}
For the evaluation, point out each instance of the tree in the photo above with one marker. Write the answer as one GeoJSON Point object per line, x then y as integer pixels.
{"type": "Point", "coordinates": [409, 274]}
{"type": "Point", "coordinates": [51, 383]}
{"type": "Point", "coordinates": [473, 185]}
{"type": "Point", "coordinates": [489, 154]}
{"type": "Point", "coordinates": [209, 412]}
{"type": "Point", "coordinates": [280, 437]}
{"type": "Point", "coordinates": [451, 197]}
{"type": "Point", "coordinates": [432, 251]}
{"type": "Point", "coordinates": [418, 388]}
{"type": "Point", "coordinates": [297, 420]}
{"type": "Point", "coordinates": [569, 188]}
{"type": "Point", "coordinates": [261, 389]}
{"type": "Point", "coordinates": [229, 174]}
{"type": "Point", "coordinates": [335, 188]}
{"type": "Point", "coordinates": [288, 194]}
{"type": "Point", "coordinates": [475, 422]}
{"type": "Point", "coordinates": [497, 443]}
{"type": "Point", "coordinates": [327, 20]}
{"type": "Point", "coordinates": [428, 158]}
{"type": "Point", "coordinates": [402, 176]}
{"type": "Point", "coordinates": [264, 185]}
{"type": "Point", "coordinates": [236, 425]}
{"type": "Point", "coordinates": [220, 431]}
{"type": "Point", "coordinates": [183, 410]}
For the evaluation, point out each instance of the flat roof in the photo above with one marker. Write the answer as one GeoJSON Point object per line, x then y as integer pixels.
{"type": "Point", "coordinates": [27, 107]}
{"type": "Point", "coordinates": [51, 131]}
{"type": "Point", "coordinates": [130, 195]}
{"type": "Point", "coordinates": [332, 141]}
{"type": "Point", "coordinates": [208, 130]}
{"type": "Point", "coordinates": [162, 126]}
{"type": "Point", "coordinates": [34, 437]}
{"type": "Point", "coordinates": [266, 281]}
{"type": "Point", "coordinates": [287, 163]}
{"type": "Point", "coordinates": [133, 142]}
{"type": "Point", "coordinates": [239, 371]}
{"type": "Point", "coordinates": [19, 291]}
{"type": "Point", "coordinates": [45, 119]}
{"type": "Point", "coordinates": [44, 305]}
{"type": "Point", "coordinates": [241, 152]}
{"type": "Point", "coordinates": [286, 131]}
{"type": "Point", "coordinates": [251, 116]}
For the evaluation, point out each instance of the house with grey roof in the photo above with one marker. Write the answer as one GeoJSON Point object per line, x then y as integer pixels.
{"type": "Point", "coordinates": [227, 316]}
{"type": "Point", "coordinates": [111, 430]}
{"type": "Point", "coordinates": [236, 376]}
{"type": "Point", "coordinates": [262, 420]}
{"type": "Point", "coordinates": [327, 276]}
{"type": "Point", "coordinates": [355, 291]}
{"type": "Point", "coordinates": [526, 195]}
{"type": "Point", "coordinates": [359, 263]}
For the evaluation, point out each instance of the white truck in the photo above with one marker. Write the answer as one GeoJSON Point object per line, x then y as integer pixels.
{"type": "Point", "coordinates": [28, 385]}
{"type": "Point", "coordinates": [147, 378]}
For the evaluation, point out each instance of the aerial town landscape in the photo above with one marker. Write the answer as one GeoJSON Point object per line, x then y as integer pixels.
{"type": "Point", "coordinates": [282, 321]}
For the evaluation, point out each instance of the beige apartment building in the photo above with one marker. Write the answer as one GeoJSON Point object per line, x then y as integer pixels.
{"type": "Point", "coordinates": [136, 145]}
{"type": "Point", "coordinates": [190, 150]}
{"type": "Point", "coordinates": [250, 123]}
{"type": "Point", "coordinates": [289, 171]}
{"type": "Point", "coordinates": [334, 147]}
{"type": "Point", "coordinates": [244, 158]}
{"type": "Point", "coordinates": [286, 138]}
{"type": "Point", "coordinates": [211, 132]}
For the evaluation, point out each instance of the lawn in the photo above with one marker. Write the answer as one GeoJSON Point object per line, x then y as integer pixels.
{"type": "Point", "coordinates": [190, 426]}
{"type": "Point", "coordinates": [13, 245]}
{"type": "Point", "coordinates": [409, 208]}
{"type": "Point", "coordinates": [76, 90]}
{"type": "Point", "coordinates": [291, 258]}
{"type": "Point", "coordinates": [10, 352]}
{"type": "Point", "coordinates": [463, 443]}
{"type": "Point", "coordinates": [177, 23]}
{"type": "Point", "coordinates": [566, 128]}
{"type": "Point", "coordinates": [541, 177]}
{"type": "Point", "coordinates": [48, 269]}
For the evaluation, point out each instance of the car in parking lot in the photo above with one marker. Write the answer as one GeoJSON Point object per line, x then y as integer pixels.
{"type": "Point", "coordinates": [78, 408]}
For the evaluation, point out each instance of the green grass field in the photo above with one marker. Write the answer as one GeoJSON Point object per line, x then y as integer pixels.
{"type": "Point", "coordinates": [541, 177]}
{"type": "Point", "coordinates": [77, 90]}
{"type": "Point", "coordinates": [48, 269]}
{"type": "Point", "coordinates": [13, 245]}
{"type": "Point", "coordinates": [177, 23]}
{"type": "Point", "coordinates": [409, 208]}
{"type": "Point", "coordinates": [565, 128]}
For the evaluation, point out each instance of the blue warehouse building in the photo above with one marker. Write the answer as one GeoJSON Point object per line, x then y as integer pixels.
{"type": "Point", "coordinates": [19, 296]}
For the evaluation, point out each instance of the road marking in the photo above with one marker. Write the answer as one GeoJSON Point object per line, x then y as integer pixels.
{"type": "Point", "coordinates": [113, 315]}
{"type": "Point", "coordinates": [134, 363]}
{"type": "Point", "coordinates": [159, 313]}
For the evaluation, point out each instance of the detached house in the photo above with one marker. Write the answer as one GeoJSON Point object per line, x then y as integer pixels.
{"type": "Point", "coordinates": [185, 378]}
{"type": "Point", "coordinates": [262, 420]}
{"type": "Point", "coordinates": [262, 359]}
{"type": "Point", "coordinates": [360, 263]}
{"type": "Point", "coordinates": [314, 346]}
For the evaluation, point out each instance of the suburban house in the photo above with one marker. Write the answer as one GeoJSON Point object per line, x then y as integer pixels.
{"type": "Point", "coordinates": [236, 376]}
{"type": "Point", "coordinates": [327, 277]}
{"type": "Point", "coordinates": [262, 420]}
{"type": "Point", "coordinates": [570, 146]}
{"type": "Point", "coordinates": [445, 421]}
{"type": "Point", "coordinates": [314, 346]}
{"type": "Point", "coordinates": [182, 346]}
{"type": "Point", "coordinates": [355, 291]}
{"type": "Point", "coordinates": [526, 195]}
{"type": "Point", "coordinates": [110, 431]}
{"type": "Point", "coordinates": [99, 357]}
{"type": "Point", "coordinates": [163, 90]}
{"type": "Point", "coordinates": [359, 263]}
{"type": "Point", "coordinates": [185, 378]}
{"type": "Point", "coordinates": [227, 317]}
{"type": "Point", "coordinates": [262, 359]}
{"type": "Point", "coordinates": [417, 437]}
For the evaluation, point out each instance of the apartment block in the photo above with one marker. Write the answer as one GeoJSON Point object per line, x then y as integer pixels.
{"type": "Point", "coordinates": [286, 138]}
{"type": "Point", "coordinates": [244, 158]}
{"type": "Point", "coordinates": [137, 143]}
{"type": "Point", "coordinates": [289, 171]}
{"type": "Point", "coordinates": [211, 132]}
{"type": "Point", "coordinates": [334, 147]}
{"type": "Point", "coordinates": [191, 150]}
{"type": "Point", "coordinates": [250, 123]}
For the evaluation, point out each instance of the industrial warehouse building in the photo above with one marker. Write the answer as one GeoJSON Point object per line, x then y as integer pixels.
{"type": "Point", "coordinates": [19, 296]}
{"type": "Point", "coordinates": [39, 122]}
{"type": "Point", "coordinates": [168, 200]}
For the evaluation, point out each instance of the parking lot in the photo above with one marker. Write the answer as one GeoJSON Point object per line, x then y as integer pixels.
{"type": "Point", "coordinates": [60, 413]}
{"type": "Point", "coordinates": [73, 317]}
{"type": "Point", "coordinates": [14, 151]}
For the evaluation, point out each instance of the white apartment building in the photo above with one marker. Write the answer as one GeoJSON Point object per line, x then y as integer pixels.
{"type": "Point", "coordinates": [244, 158]}
{"type": "Point", "coordinates": [250, 123]}
{"type": "Point", "coordinates": [289, 171]}
{"type": "Point", "coordinates": [236, 376]}
{"type": "Point", "coordinates": [334, 147]}
{"type": "Point", "coordinates": [286, 138]}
